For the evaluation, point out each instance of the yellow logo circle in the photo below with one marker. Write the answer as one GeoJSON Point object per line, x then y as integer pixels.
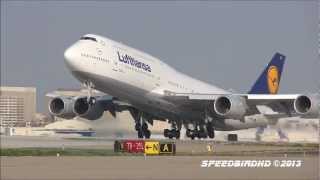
{"type": "Point", "coordinates": [273, 79]}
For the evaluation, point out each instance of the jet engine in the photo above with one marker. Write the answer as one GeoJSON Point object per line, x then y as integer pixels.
{"type": "Point", "coordinates": [62, 107]}
{"type": "Point", "coordinates": [233, 107]}
{"type": "Point", "coordinates": [92, 109]}
{"type": "Point", "coordinates": [308, 106]}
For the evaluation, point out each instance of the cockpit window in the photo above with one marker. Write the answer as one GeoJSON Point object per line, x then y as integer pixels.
{"type": "Point", "coordinates": [88, 38]}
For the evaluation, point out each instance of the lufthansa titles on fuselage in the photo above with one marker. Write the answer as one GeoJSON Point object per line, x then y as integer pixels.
{"type": "Point", "coordinates": [133, 62]}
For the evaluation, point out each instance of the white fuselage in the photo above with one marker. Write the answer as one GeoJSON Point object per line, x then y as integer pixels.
{"type": "Point", "coordinates": [132, 76]}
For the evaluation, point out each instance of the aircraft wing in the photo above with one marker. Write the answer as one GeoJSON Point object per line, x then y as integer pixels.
{"type": "Point", "coordinates": [69, 105]}
{"type": "Point", "coordinates": [288, 104]}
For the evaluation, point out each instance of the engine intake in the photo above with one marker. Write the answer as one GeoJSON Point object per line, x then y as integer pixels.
{"type": "Point", "coordinates": [230, 107]}
{"type": "Point", "coordinates": [307, 105]}
{"type": "Point", "coordinates": [81, 106]}
{"type": "Point", "coordinates": [61, 107]}
{"type": "Point", "coordinates": [92, 109]}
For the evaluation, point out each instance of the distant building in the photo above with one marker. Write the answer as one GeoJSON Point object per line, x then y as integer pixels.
{"type": "Point", "coordinates": [40, 120]}
{"type": "Point", "coordinates": [17, 106]}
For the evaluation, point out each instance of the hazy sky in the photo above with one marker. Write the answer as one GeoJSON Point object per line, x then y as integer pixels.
{"type": "Point", "coordinates": [226, 43]}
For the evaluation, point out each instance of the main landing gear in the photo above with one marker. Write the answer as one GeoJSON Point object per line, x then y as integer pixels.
{"type": "Point", "coordinates": [174, 132]}
{"type": "Point", "coordinates": [210, 130]}
{"type": "Point", "coordinates": [201, 131]}
{"type": "Point", "coordinates": [171, 133]}
{"type": "Point", "coordinates": [196, 134]}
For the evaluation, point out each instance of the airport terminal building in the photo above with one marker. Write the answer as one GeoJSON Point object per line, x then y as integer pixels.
{"type": "Point", "coordinates": [17, 106]}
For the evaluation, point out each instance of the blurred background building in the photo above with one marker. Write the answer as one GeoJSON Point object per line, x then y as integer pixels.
{"type": "Point", "coordinates": [17, 106]}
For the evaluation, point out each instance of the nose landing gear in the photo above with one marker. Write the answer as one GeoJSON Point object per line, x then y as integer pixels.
{"type": "Point", "coordinates": [142, 130]}
{"type": "Point", "coordinates": [146, 131]}
{"type": "Point", "coordinates": [141, 125]}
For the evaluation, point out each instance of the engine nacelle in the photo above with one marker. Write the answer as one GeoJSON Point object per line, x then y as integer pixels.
{"type": "Point", "coordinates": [91, 110]}
{"type": "Point", "coordinates": [308, 106]}
{"type": "Point", "coordinates": [233, 107]}
{"type": "Point", "coordinates": [62, 107]}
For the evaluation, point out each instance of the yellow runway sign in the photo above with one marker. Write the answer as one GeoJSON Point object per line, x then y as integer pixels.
{"type": "Point", "coordinates": [166, 148]}
{"type": "Point", "coordinates": [152, 147]}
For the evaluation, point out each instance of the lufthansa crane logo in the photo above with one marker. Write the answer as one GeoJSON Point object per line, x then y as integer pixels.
{"type": "Point", "coordinates": [273, 79]}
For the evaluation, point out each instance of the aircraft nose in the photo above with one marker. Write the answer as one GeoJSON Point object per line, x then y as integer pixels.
{"type": "Point", "coordinates": [70, 56]}
{"type": "Point", "coordinates": [69, 53]}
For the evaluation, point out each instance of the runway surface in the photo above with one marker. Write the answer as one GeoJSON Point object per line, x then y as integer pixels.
{"type": "Point", "coordinates": [186, 165]}
{"type": "Point", "coordinates": [54, 142]}
{"type": "Point", "coordinates": [183, 147]}
{"type": "Point", "coordinates": [139, 167]}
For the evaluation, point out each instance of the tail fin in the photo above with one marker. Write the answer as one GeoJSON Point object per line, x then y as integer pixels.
{"type": "Point", "coordinates": [269, 81]}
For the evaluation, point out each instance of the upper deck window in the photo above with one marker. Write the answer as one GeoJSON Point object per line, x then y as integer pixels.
{"type": "Point", "coordinates": [88, 38]}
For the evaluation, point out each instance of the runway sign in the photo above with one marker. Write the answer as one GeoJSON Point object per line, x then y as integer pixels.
{"type": "Point", "coordinates": [134, 146]}
{"type": "Point", "coordinates": [152, 147]}
{"type": "Point", "coordinates": [118, 146]}
{"type": "Point", "coordinates": [148, 147]}
{"type": "Point", "coordinates": [129, 146]}
{"type": "Point", "coordinates": [167, 148]}
{"type": "Point", "coordinates": [209, 147]}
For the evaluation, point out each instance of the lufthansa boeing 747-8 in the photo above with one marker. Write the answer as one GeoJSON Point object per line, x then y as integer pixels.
{"type": "Point", "coordinates": [152, 90]}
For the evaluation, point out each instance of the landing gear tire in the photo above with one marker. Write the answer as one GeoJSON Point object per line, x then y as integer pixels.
{"type": "Point", "coordinates": [147, 134]}
{"type": "Point", "coordinates": [210, 130]}
{"type": "Point", "coordinates": [177, 134]}
{"type": "Point", "coordinates": [171, 133]}
{"type": "Point", "coordinates": [202, 134]}
{"type": "Point", "coordinates": [146, 131]}
{"type": "Point", "coordinates": [211, 134]}
{"type": "Point", "coordinates": [196, 134]}
{"type": "Point", "coordinates": [166, 133]}
{"type": "Point", "coordinates": [143, 131]}
{"type": "Point", "coordinates": [188, 133]}
{"type": "Point", "coordinates": [140, 134]}
{"type": "Point", "coordinates": [144, 126]}
{"type": "Point", "coordinates": [191, 134]}
{"type": "Point", "coordinates": [192, 137]}
{"type": "Point", "coordinates": [137, 127]}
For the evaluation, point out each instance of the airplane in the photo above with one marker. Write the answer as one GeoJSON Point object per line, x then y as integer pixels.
{"type": "Point", "coordinates": [152, 90]}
